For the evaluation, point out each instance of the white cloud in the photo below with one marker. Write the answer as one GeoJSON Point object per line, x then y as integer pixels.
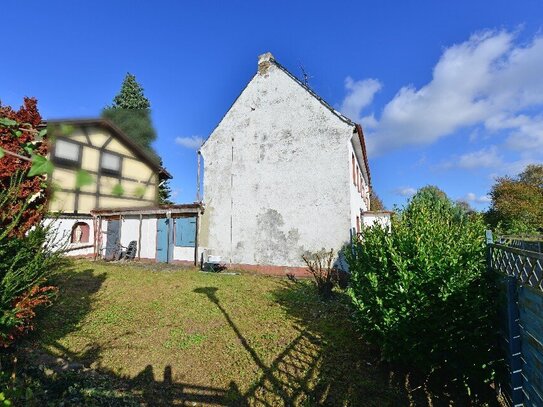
{"type": "Point", "coordinates": [514, 167]}
{"type": "Point", "coordinates": [471, 197]}
{"type": "Point", "coordinates": [526, 132]}
{"type": "Point", "coordinates": [359, 95]}
{"type": "Point", "coordinates": [369, 122]}
{"type": "Point", "coordinates": [489, 80]}
{"type": "Point", "coordinates": [405, 191]}
{"type": "Point", "coordinates": [193, 142]}
{"type": "Point", "coordinates": [484, 158]}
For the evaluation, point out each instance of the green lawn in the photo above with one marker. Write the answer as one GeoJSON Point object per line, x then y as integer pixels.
{"type": "Point", "coordinates": [167, 335]}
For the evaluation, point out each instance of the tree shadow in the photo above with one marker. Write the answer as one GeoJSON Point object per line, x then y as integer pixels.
{"type": "Point", "coordinates": [325, 364]}
{"type": "Point", "coordinates": [69, 379]}
{"type": "Point", "coordinates": [74, 302]}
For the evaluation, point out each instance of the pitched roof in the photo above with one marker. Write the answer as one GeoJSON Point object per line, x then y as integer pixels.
{"type": "Point", "coordinates": [136, 149]}
{"type": "Point", "coordinates": [312, 93]}
{"type": "Point", "coordinates": [345, 119]}
{"type": "Point", "coordinates": [364, 153]}
{"type": "Point", "coordinates": [342, 117]}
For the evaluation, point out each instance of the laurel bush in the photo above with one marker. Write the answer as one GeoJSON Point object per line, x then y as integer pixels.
{"type": "Point", "coordinates": [422, 292]}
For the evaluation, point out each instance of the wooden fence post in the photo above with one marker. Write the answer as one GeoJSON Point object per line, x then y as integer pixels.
{"type": "Point", "coordinates": [514, 361]}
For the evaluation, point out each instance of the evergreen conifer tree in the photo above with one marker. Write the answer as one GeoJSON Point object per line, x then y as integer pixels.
{"type": "Point", "coordinates": [131, 112]}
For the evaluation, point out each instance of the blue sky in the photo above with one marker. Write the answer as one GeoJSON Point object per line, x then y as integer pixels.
{"type": "Point", "coordinates": [449, 93]}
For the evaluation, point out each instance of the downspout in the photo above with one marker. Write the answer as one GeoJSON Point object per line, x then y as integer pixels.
{"type": "Point", "coordinates": [231, 200]}
{"type": "Point", "coordinates": [198, 177]}
{"type": "Point", "coordinates": [94, 227]}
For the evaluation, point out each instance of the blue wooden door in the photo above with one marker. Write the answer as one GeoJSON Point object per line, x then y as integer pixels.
{"type": "Point", "coordinates": [185, 232]}
{"type": "Point", "coordinates": [163, 240]}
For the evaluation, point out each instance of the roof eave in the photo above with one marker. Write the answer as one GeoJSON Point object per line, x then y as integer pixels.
{"type": "Point", "coordinates": [140, 152]}
{"type": "Point", "coordinates": [362, 140]}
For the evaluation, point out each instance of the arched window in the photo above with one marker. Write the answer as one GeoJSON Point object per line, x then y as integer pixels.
{"type": "Point", "coordinates": [80, 233]}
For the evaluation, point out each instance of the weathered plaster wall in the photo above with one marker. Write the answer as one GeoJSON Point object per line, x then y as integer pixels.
{"type": "Point", "coordinates": [276, 176]}
{"type": "Point", "coordinates": [130, 229]}
{"type": "Point", "coordinates": [148, 238]}
{"type": "Point", "coordinates": [62, 230]}
{"type": "Point", "coordinates": [186, 253]}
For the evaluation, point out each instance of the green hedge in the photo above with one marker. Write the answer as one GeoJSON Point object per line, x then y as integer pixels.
{"type": "Point", "coordinates": [421, 290]}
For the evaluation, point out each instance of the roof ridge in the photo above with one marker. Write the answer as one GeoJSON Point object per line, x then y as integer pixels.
{"type": "Point", "coordinates": [358, 127]}
{"type": "Point", "coordinates": [314, 94]}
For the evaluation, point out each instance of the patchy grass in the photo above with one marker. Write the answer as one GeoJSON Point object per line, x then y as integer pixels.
{"type": "Point", "coordinates": [182, 340]}
{"type": "Point", "coordinates": [174, 335]}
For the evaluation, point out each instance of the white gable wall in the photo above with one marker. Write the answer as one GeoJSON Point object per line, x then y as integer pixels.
{"type": "Point", "coordinates": [276, 176]}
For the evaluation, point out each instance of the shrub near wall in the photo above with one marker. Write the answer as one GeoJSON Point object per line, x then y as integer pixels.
{"type": "Point", "coordinates": [422, 293]}
{"type": "Point", "coordinates": [26, 258]}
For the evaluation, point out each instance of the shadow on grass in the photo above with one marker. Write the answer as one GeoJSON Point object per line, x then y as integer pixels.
{"type": "Point", "coordinates": [68, 379]}
{"type": "Point", "coordinates": [74, 302]}
{"type": "Point", "coordinates": [351, 372]}
{"type": "Point", "coordinates": [347, 371]}
{"type": "Point", "coordinates": [327, 363]}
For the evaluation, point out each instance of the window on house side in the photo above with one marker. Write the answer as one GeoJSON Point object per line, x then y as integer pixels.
{"type": "Point", "coordinates": [354, 169]}
{"type": "Point", "coordinates": [357, 179]}
{"type": "Point", "coordinates": [111, 163]}
{"type": "Point", "coordinates": [66, 153]}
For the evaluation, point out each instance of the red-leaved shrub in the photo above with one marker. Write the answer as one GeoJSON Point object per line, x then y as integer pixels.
{"type": "Point", "coordinates": [32, 189]}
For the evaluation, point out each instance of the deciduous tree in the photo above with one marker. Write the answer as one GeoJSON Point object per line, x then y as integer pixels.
{"type": "Point", "coordinates": [376, 204]}
{"type": "Point", "coordinates": [517, 203]}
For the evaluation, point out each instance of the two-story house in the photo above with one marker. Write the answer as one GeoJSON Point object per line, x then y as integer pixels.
{"type": "Point", "coordinates": [284, 173]}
